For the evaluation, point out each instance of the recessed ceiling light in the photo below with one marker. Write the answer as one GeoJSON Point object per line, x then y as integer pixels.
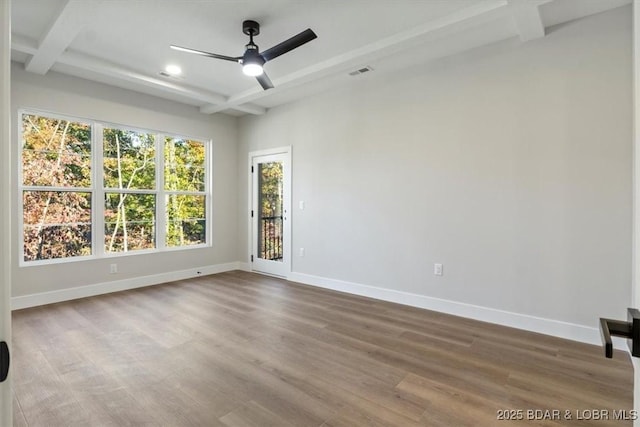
{"type": "Point", "coordinates": [173, 70]}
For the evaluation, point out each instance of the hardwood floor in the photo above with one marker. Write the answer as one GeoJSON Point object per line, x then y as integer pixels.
{"type": "Point", "coordinates": [239, 349]}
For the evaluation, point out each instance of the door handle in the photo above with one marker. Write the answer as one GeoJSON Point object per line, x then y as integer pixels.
{"type": "Point", "coordinates": [619, 328]}
{"type": "Point", "coordinates": [4, 361]}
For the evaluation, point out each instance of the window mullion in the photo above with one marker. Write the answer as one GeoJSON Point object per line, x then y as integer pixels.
{"type": "Point", "coordinates": [161, 210]}
{"type": "Point", "coordinates": [208, 188]}
{"type": "Point", "coordinates": [186, 193]}
{"type": "Point", "coordinates": [57, 189]}
{"type": "Point", "coordinates": [128, 191]}
{"type": "Point", "coordinates": [98, 191]}
{"type": "Point", "coordinates": [21, 188]}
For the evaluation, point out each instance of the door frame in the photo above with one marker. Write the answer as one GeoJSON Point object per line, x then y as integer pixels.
{"type": "Point", "coordinates": [286, 189]}
{"type": "Point", "coordinates": [635, 258]}
{"type": "Point", "coordinates": [6, 398]}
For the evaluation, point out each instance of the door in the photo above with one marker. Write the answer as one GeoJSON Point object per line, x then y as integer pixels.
{"type": "Point", "coordinates": [270, 178]}
{"type": "Point", "coordinates": [5, 211]}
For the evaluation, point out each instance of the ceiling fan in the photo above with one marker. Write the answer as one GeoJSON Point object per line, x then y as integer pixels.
{"type": "Point", "coordinates": [253, 60]}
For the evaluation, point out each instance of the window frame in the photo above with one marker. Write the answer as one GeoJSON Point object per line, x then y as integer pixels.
{"type": "Point", "coordinates": [165, 193]}
{"type": "Point", "coordinates": [99, 191]}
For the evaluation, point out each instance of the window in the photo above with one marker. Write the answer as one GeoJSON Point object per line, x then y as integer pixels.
{"type": "Point", "coordinates": [184, 184]}
{"type": "Point", "coordinates": [129, 176]}
{"type": "Point", "coordinates": [56, 188]}
{"type": "Point", "coordinates": [91, 189]}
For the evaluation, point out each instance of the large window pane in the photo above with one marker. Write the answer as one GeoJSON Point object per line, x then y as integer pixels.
{"type": "Point", "coordinates": [56, 224]}
{"type": "Point", "coordinates": [56, 180]}
{"type": "Point", "coordinates": [129, 222]}
{"type": "Point", "coordinates": [186, 220]}
{"type": "Point", "coordinates": [129, 160]}
{"type": "Point", "coordinates": [184, 165]}
{"type": "Point", "coordinates": [55, 152]}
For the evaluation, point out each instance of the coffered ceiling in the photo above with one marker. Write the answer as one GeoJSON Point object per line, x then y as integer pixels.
{"type": "Point", "coordinates": [125, 43]}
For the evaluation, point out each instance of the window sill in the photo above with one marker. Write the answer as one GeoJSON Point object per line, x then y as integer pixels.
{"type": "Point", "coordinates": [56, 261]}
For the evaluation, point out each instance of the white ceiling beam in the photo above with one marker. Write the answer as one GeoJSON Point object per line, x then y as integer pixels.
{"type": "Point", "coordinates": [109, 69]}
{"type": "Point", "coordinates": [456, 22]}
{"type": "Point", "coordinates": [115, 71]}
{"type": "Point", "coordinates": [99, 66]}
{"type": "Point", "coordinates": [73, 17]}
{"type": "Point", "coordinates": [525, 14]}
{"type": "Point", "coordinates": [250, 109]}
{"type": "Point", "coordinates": [23, 44]}
{"type": "Point", "coordinates": [526, 17]}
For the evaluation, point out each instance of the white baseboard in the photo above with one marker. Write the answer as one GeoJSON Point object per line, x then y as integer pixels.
{"type": "Point", "coordinates": [551, 327]}
{"type": "Point", "coordinates": [244, 266]}
{"type": "Point", "coordinates": [521, 321]}
{"type": "Point", "coordinates": [43, 298]}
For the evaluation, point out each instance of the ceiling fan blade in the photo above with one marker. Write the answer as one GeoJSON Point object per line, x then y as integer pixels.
{"type": "Point", "coordinates": [288, 45]}
{"type": "Point", "coordinates": [208, 54]}
{"type": "Point", "coordinates": [264, 81]}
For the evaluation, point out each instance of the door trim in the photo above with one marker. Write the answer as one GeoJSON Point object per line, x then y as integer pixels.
{"type": "Point", "coordinates": [286, 151]}
{"type": "Point", "coordinates": [6, 246]}
{"type": "Point", "coordinates": [635, 257]}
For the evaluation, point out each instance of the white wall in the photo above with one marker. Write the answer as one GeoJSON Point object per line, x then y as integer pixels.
{"type": "Point", "coordinates": [62, 94]}
{"type": "Point", "coordinates": [511, 165]}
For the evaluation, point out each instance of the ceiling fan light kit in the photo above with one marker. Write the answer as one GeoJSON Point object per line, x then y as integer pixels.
{"type": "Point", "coordinates": [253, 60]}
{"type": "Point", "coordinates": [252, 70]}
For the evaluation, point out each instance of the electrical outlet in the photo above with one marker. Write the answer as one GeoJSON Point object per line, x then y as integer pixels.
{"type": "Point", "coordinates": [437, 269]}
{"type": "Point", "coordinates": [113, 268]}
{"type": "Point", "coordinates": [301, 205]}
{"type": "Point", "coordinates": [301, 251]}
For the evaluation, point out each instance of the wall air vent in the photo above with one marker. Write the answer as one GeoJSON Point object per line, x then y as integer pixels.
{"type": "Point", "coordinates": [361, 71]}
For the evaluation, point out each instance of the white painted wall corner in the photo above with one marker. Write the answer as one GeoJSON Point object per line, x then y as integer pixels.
{"type": "Point", "coordinates": [244, 266]}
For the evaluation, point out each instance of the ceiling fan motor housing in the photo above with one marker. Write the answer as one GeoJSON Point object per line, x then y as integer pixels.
{"type": "Point", "coordinates": [251, 56]}
{"type": "Point", "coordinates": [250, 28]}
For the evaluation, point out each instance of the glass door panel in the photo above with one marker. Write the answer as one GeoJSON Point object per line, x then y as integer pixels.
{"type": "Point", "coordinates": [269, 210]}
{"type": "Point", "coordinates": [269, 232]}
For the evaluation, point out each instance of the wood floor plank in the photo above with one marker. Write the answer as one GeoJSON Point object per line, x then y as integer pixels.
{"type": "Point", "coordinates": [351, 407]}
{"type": "Point", "coordinates": [18, 416]}
{"type": "Point", "coordinates": [254, 415]}
{"type": "Point", "coordinates": [240, 349]}
{"type": "Point", "coordinates": [270, 389]}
